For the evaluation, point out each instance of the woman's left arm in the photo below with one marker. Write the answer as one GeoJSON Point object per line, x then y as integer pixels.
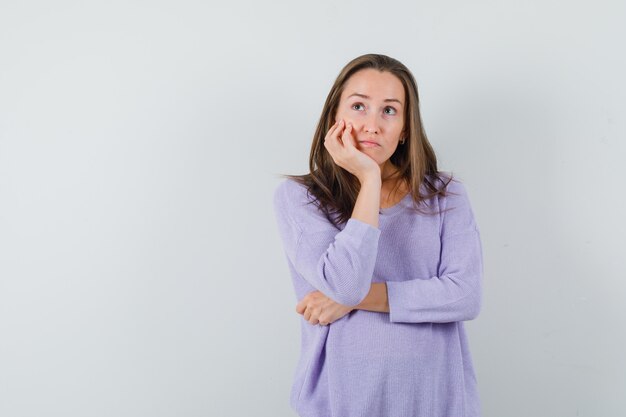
{"type": "Point", "coordinates": [454, 295]}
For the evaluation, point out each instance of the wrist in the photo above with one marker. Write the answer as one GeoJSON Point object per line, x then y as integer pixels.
{"type": "Point", "coordinates": [370, 177]}
{"type": "Point", "coordinates": [376, 300]}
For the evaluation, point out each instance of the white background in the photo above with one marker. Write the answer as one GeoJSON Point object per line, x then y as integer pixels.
{"type": "Point", "coordinates": [141, 273]}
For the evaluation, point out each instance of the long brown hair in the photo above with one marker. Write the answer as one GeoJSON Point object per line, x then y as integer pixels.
{"type": "Point", "coordinates": [334, 188]}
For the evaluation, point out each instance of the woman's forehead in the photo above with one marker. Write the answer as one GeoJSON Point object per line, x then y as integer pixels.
{"type": "Point", "coordinates": [374, 85]}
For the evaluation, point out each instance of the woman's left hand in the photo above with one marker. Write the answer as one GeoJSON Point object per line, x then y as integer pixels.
{"type": "Point", "coordinates": [319, 309]}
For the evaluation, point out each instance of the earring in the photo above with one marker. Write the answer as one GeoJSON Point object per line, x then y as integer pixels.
{"type": "Point", "coordinates": [402, 141]}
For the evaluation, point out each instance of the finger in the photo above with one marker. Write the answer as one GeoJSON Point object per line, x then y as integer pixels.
{"type": "Point", "coordinates": [329, 141]}
{"type": "Point", "coordinates": [332, 129]}
{"type": "Point", "coordinates": [300, 307]}
{"type": "Point", "coordinates": [339, 132]}
{"type": "Point", "coordinates": [334, 147]}
{"type": "Point", "coordinates": [334, 132]}
{"type": "Point", "coordinates": [311, 315]}
{"type": "Point", "coordinates": [347, 137]}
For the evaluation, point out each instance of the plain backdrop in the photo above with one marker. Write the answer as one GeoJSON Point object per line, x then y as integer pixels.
{"type": "Point", "coordinates": [141, 272]}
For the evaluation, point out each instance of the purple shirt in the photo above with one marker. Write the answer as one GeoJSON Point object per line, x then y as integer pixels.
{"type": "Point", "coordinates": [413, 361]}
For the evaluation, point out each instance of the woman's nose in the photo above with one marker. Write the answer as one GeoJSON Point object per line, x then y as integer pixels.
{"type": "Point", "coordinates": [371, 126]}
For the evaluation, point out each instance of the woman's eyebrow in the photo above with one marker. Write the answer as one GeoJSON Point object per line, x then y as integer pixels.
{"type": "Point", "coordinates": [368, 97]}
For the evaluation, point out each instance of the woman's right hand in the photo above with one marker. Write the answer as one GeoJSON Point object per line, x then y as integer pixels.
{"type": "Point", "coordinates": [346, 155]}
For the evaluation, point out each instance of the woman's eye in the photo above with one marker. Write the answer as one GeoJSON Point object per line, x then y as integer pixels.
{"type": "Point", "coordinates": [393, 110]}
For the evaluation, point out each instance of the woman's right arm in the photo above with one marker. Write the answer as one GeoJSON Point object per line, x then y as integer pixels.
{"type": "Point", "coordinates": [345, 154]}
{"type": "Point", "coordinates": [368, 201]}
{"type": "Point", "coordinates": [338, 264]}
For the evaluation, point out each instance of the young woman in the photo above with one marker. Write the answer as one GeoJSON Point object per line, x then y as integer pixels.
{"type": "Point", "coordinates": [385, 257]}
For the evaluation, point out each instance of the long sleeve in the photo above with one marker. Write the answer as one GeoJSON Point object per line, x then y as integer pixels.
{"type": "Point", "coordinates": [340, 264]}
{"type": "Point", "coordinates": [456, 293]}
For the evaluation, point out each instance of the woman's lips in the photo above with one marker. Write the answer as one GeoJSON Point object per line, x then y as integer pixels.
{"type": "Point", "coordinates": [368, 143]}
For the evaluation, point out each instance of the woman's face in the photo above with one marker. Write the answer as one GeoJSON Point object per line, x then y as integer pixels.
{"type": "Point", "coordinates": [373, 101]}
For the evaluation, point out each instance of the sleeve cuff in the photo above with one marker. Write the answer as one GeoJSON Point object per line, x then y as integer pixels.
{"type": "Point", "coordinates": [396, 312]}
{"type": "Point", "coordinates": [361, 230]}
